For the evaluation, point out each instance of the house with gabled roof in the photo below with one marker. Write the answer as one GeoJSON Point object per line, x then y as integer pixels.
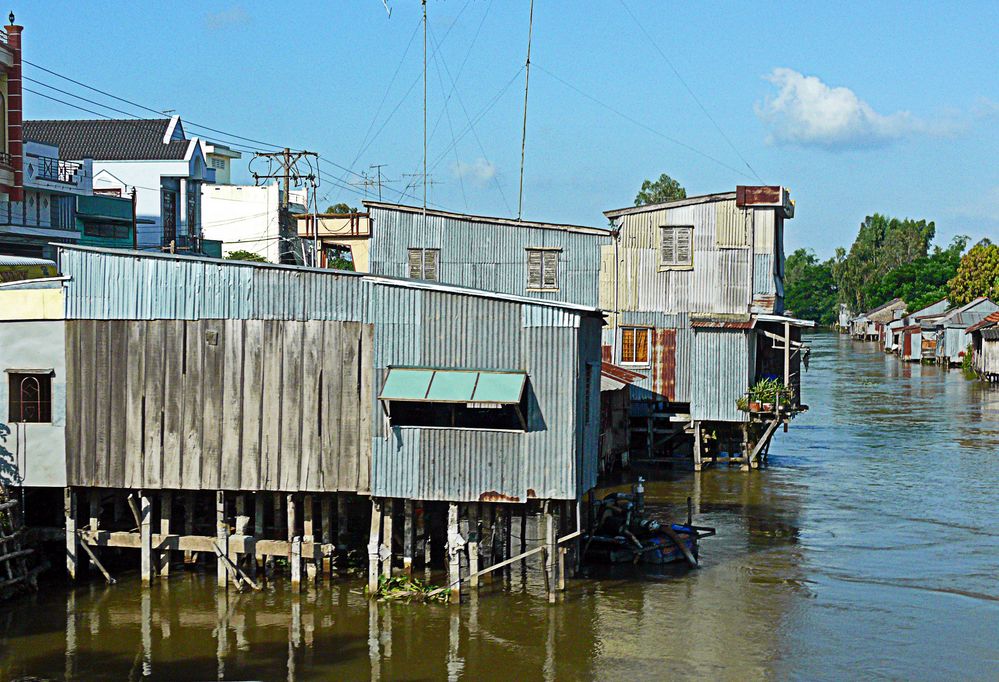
{"type": "Point", "coordinates": [153, 157]}
{"type": "Point", "coordinates": [985, 347]}
{"type": "Point", "coordinates": [951, 329]}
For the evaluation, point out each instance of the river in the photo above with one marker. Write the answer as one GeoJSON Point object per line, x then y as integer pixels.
{"type": "Point", "coordinates": [868, 549]}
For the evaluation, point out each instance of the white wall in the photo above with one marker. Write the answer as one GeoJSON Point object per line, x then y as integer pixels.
{"type": "Point", "coordinates": [37, 451]}
{"type": "Point", "coordinates": [245, 217]}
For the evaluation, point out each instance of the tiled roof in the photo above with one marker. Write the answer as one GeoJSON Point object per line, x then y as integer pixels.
{"type": "Point", "coordinates": [108, 140]}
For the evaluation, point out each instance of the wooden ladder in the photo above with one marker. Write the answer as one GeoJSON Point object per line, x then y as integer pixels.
{"type": "Point", "coordinates": [14, 572]}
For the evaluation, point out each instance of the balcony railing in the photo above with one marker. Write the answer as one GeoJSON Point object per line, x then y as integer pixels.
{"type": "Point", "coordinates": [60, 215]}
{"type": "Point", "coordinates": [55, 170]}
{"type": "Point", "coordinates": [5, 159]}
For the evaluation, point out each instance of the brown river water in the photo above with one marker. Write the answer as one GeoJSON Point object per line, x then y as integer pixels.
{"type": "Point", "coordinates": [868, 550]}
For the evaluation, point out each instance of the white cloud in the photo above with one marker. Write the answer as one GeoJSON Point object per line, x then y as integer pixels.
{"type": "Point", "coordinates": [479, 171]}
{"type": "Point", "coordinates": [808, 113]}
{"type": "Point", "coordinates": [227, 18]}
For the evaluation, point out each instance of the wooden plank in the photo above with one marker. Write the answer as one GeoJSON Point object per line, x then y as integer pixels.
{"type": "Point", "coordinates": [366, 354]}
{"type": "Point", "coordinates": [232, 405]}
{"type": "Point", "coordinates": [73, 402]}
{"type": "Point", "coordinates": [134, 406]}
{"type": "Point", "coordinates": [88, 414]}
{"type": "Point", "coordinates": [100, 399]}
{"type": "Point", "coordinates": [270, 426]}
{"type": "Point", "coordinates": [291, 406]}
{"type": "Point", "coordinates": [194, 392]}
{"type": "Point", "coordinates": [154, 417]}
{"type": "Point", "coordinates": [173, 402]}
{"type": "Point", "coordinates": [118, 448]}
{"type": "Point", "coordinates": [349, 407]}
{"type": "Point", "coordinates": [310, 477]}
{"type": "Point", "coordinates": [146, 537]}
{"type": "Point", "coordinates": [211, 381]}
{"type": "Point", "coordinates": [252, 396]}
{"type": "Point", "coordinates": [332, 380]}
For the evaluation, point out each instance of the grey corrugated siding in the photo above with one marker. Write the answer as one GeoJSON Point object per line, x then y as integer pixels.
{"type": "Point", "coordinates": [641, 390]}
{"type": "Point", "coordinates": [720, 373]}
{"type": "Point", "coordinates": [764, 283]}
{"type": "Point", "coordinates": [486, 256]}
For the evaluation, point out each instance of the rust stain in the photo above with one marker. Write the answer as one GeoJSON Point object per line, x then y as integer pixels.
{"type": "Point", "coordinates": [664, 363]}
{"type": "Point", "coordinates": [493, 496]}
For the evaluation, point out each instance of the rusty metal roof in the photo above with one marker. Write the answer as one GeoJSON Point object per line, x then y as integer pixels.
{"type": "Point", "coordinates": [723, 324]}
{"type": "Point", "coordinates": [989, 321]}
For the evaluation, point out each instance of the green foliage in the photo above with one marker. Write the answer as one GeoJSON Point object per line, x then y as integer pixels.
{"type": "Point", "coordinates": [810, 291]}
{"type": "Point", "coordinates": [392, 588]}
{"type": "Point", "coordinates": [245, 255]}
{"type": "Point", "coordinates": [659, 191]}
{"type": "Point", "coordinates": [340, 208]}
{"type": "Point", "coordinates": [977, 274]}
{"type": "Point", "coordinates": [967, 366]}
{"type": "Point", "coordinates": [766, 391]}
{"type": "Point", "coordinates": [882, 244]}
{"type": "Point", "coordinates": [920, 282]}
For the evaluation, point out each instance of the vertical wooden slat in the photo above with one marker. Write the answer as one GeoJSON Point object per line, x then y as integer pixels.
{"type": "Point", "coordinates": [366, 399]}
{"type": "Point", "coordinates": [270, 427]}
{"type": "Point", "coordinates": [253, 375]}
{"type": "Point", "coordinates": [312, 346]}
{"type": "Point", "coordinates": [291, 405]}
{"type": "Point", "coordinates": [153, 460]}
{"type": "Point", "coordinates": [349, 416]}
{"type": "Point", "coordinates": [100, 397]}
{"type": "Point", "coordinates": [232, 405]}
{"type": "Point", "coordinates": [134, 412]}
{"type": "Point", "coordinates": [194, 392]}
{"type": "Point", "coordinates": [173, 402]}
{"type": "Point", "coordinates": [214, 365]}
{"type": "Point", "coordinates": [73, 383]}
{"type": "Point", "coordinates": [88, 408]}
{"type": "Point", "coordinates": [119, 404]}
{"type": "Point", "coordinates": [332, 381]}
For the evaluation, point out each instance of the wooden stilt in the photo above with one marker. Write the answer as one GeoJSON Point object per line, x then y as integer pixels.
{"type": "Point", "coordinates": [221, 539]}
{"type": "Point", "coordinates": [746, 450]}
{"type": "Point", "coordinates": [326, 511]}
{"type": "Point", "coordinates": [488, 541]}
{"type": "Point", "coordinates": [420, 529]}
{"type": "Point", "coordinates": [342, 530]}
{"type": "Point", "coordinates": [189, 509]}
{"type": "Point", "coordinates": [374, 563]}
{"type": "Point", "coordinates": [453, 553]}
{"type": "Point", "coordinates": [426, 520]}
{"type": "Point", "coordinates": [166, 512]}
{"type": "Point", "coordinates": [95, 521]}
{"type": "Point", "coordinates": [72, 546]}
{"type": "Point", "coordinates": [408, 538]}
{"type": "Point", "coordinates": [560, 526]}
{"type": "Point", "coordinates": [550, 565]}
{"type": "Point", "coordinates": [698, 462]}
{"type": "Point", "coordinates": [296, 563]}
{"type": "Point", "coordinates": [309, 536]}
{"type": "Point", "coordinates": [278, 522]}
{"type": "Point", "coordinates": [146, 536]}
{"type": "Point", "coordinates": [387, 545]}
{"type": "Point", "coordinates": [259, 503]}
{"type": "Point", "coordinates": [290, 511]}
{"type": "Point", "coordinates": [473, 545]}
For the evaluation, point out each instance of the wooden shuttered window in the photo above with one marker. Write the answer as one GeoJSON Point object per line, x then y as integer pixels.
{"type": "Point", "coordinates": [677, 246]}
{"type": "Point", "coordinates": [635, 345]}
{"type": "Point", "coordinates": [542, 269]}
{"type": "Point", "coordinates": [423, 264]}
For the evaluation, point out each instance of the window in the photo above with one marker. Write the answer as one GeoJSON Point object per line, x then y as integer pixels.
{"type": "Point", "coordinates": [107, 230]}
{"type": "Point", "coordinates": [218, 163]}
{"type": "Point", "coordinates": [423, 264]}
{"type": "Point", "coordinates": [542, 269]}
{"type": "Point", "coordinates": [169, 217]}
{"type": "Point", "coordinates": [677, 246]}
{"type": "Point", "coordinates": [30, 397]}
{"type": "Point", "coordinates": [635, 345]}
{"type": "Point", "coordinates": [193, 192]}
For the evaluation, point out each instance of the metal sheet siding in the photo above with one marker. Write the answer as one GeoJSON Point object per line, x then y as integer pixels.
{"type": "Point", "coordinates": [486, 256]}
{"type": "Point", "coordinates": [642, 389]}
{"type": "Point", "coordinates": [720, 374]}
{"type": "Point", "coordinates": [763, 275]}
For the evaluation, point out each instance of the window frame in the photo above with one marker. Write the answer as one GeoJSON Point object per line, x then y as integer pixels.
{"type": "Point", "coordinates": [17, 383]}
{"type": "Point", "coordinates": [647, 330]}
{"type": "Point", "coordinates": [423, 263]}
{"type": "Point", "coordinates": [546, 253]}
{"type": "Point", "coordinates": [676, 264]}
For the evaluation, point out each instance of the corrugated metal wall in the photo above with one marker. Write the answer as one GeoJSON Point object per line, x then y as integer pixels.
{"type": "Point", "coordinates": [643, 389]}
{"type": "Point", "coordinates": [720, 374]}
{"type": "Point", "coordinates": [486, 255]}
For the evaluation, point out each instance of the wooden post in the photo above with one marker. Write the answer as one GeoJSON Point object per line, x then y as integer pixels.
{"type": "Point", "coordinates": [72, 541]}
{"type": "Point", "coordinates": [221, 539]}
{"type": "Point", "coordinates": [386, 547]}
{"type": "Point", "coordinates": [290, 511]}
{"type": "Point", "coordinates": [326, 511]}
{"type": "Point", "coordinates": [561, 550]}
{"type": "Point", "coordinates": [488, 549]}
{"type": "Point", "coordinates": [269, 564]}
{"type": "Point", "coordinates": [424, 521]}
{"type": "Point", "coordinates": [698, 463]}
{"type": "Point", "coordinates": [309, 537]}
{"type": "Point", "coordinates": [453, 553]}
{"type": "Point", "coordinates": [373, 546]}
{"type": "Point", "coordinates": [408, 538]}
{"type": "Point", "coordinates": [166, 508]}
{"type": "Point", "coordinates": [189, 523]}
{"type": "Point", "coordinates": [258, 527]}
{"type": "Point", "coordinates": [146, 536]}
{"type": "Point", "coordinates": [746, 449]}
{"type": "Point", "coordinates": [473, 545]}
{"type": "Point", "coordinates": [94, 499]}
{"type": "Point", "coordinates": [549, 520]}
{"type": "Point", "coordinates": [342, 530]}
{"type": "Point", "coordinates": [296, 563]}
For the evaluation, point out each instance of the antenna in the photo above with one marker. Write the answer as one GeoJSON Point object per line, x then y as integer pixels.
{"type": "Point", "coordinates": [425, 111]}
{"type": "Point", "coordinates": [387, 8]}
{"type": "Point", "coordinates": [378, 168]}
{"type": "Point", "coordinates": [523, 138]}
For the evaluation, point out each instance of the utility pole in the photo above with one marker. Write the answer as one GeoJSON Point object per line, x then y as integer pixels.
{"type": "Point", "coordinates": [288, 171]}
{"type": "Point", "coordinates": [135, 222]}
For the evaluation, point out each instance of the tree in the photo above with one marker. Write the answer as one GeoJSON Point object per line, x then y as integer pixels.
{"type": "Point", "coordinates": [660, 191]}
{"type": "Point", "coordinates": [977, 274]}
{"type": "Point", "coordinates": [340, 208]}
{"type": "Point", "coordinates": [246, 255]}
{"type": "Point", "coordinates": [809, 289]}
{"type": "Point", "coordinates": [921, 282]}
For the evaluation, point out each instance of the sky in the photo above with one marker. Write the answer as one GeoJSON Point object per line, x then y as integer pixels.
{"type": "Point", "coordinates": [874, 107]}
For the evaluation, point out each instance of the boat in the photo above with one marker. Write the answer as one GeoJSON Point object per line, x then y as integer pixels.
{"type": "Point", "coordinates": [621, 533]}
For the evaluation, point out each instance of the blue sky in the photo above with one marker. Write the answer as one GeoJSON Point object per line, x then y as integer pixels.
{"type": "Point", "coordinates": [878, 107]}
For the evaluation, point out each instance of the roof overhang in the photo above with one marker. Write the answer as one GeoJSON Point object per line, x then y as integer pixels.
{"type": "Point", "coordinates": [614, 377]}
{"type": "Point", "coordinates": [401, 208]}
{"type": "Point", "coordinates": [460, 386]}
{"type": "Point", "coordinates": [793, 321]}
{"type": "Point", "coordinates": [689, 201]}
{"type": "Point", "coordinates": [765, 196]}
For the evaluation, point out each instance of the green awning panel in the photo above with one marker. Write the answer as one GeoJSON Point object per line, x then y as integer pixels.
{"type": "Point", "coordinates": [453, 386]}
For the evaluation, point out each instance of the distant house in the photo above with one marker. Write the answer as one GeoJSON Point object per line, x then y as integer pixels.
{"type": "Point", "coordinates": [843, 319]}
{"type": "Point", "coordinates": [879, 318]}
{"type": "Point", "coordinates": [951, 329]}
{"type": "Point", "coordinates": [248, 218]}
{"type": "Point", "coordinates": [985, 347]}
{"type": "Point", "coordinates": [154, 157]}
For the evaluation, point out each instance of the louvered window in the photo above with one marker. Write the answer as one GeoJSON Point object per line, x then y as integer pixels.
{"type": "Point", "coordinates": [542, 269]}
{"type": "Point", "coordinates": [677, 246]}
{"type": "Point", "coordinates": [423, 264]}
{"type": "Point", "coordinates": [635, 345]}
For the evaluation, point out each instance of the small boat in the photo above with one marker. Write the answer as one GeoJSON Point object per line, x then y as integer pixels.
{"type": "Point", "coordinates": [622, 533]}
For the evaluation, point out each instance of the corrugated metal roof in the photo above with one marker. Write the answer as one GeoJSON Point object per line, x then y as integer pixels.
{"type": "Point", "coordinates": [722, 324]}
{"type": "Point", "coordinates": [488, 220]}
{"type": "Point", "coordinates": [989, 320]}
{"type": "Point", "coordinates": [689, 201]}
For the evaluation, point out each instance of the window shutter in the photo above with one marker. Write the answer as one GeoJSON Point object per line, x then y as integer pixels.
{"type": "Point", "coordinates": [533, 269]}
{"type": "Point", "coordinates": [550, 270]}
{"type": "Point", "coordinates": [415, 263]}
{"type": "Point", "coordinates": [642, 345]}
{"type": "Point", "coordinates": [683, 246]}
{"type": "Point", "coordinates": [669, 245]}
{"type": "Point", "coordinates": [430, 264]}
{"type": "Point", "coordinates": [627, 344]}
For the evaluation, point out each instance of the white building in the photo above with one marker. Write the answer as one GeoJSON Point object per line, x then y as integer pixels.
{"type": "Point", "coordinates": [220, 158]}
{"type": "Point", "coordinates": [248, 218]}
{"type": "Point", "coordinates": [166, 168]}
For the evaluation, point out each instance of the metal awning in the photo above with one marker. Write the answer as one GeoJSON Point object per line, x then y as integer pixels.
{"type": "Point", "coordinates": [429, 384]}
{"type": "Point", "coordinates": [794, 322]}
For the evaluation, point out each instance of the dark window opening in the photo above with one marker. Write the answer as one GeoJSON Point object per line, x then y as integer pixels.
{"type": "Point", "coordinates": [30, 398]}
{"type": "Point", "coordinates": [107, 230]}
{"type": "Point", "coordinates": [493, 417]}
